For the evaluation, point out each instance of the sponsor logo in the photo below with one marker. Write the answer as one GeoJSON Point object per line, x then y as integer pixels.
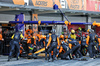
{"type": "Point", "coordinates": [42, 3]}
{"type": "Point", "coordinates": [74, 6]}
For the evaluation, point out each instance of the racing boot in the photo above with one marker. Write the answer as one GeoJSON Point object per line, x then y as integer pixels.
{"type": "Point", "coordinates": [9, 58]}
{"type": "Point", "coordinates": [94, 57]}
{"type": "Point", "coordinates": [46, 58]}
{"type": "Point", "coordinates": [56, 58]}
{"type": "Point", "coordinates": [82, 59]}
{"type": "Point", "coordinates": [34, 56]}
{"type": "Point", "coordinates": [18, 58]}
{"type": "Point", "coordinates": [50, 60]}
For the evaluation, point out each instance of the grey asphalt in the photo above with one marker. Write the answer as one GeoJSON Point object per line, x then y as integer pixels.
{"type": "Point", "coordinates": [43, 62]}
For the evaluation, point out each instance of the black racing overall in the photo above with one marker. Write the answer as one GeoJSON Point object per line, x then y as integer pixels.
{"type": "Point", "coordinates": [75, 48]}
{"type": "Point", "coordinates": [53, 46]}
{"type": "Point", "coordinates": [67, 51]}
{"type": "Point", "coordinates": [91, 45]}
{"type": "Point", "coordinates": [83, 45]}
{"type": "Point", "coordinates": [83, 41]}
{"type": "Point", "coordinates": [15, 44]}
{"type": "Point", "coordinates": [46, 41]}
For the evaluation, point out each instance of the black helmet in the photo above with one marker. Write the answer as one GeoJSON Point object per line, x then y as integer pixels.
{"type": "Point", "coordinates": [91, 31]}
{"type": "Point", "coordinates": [53, 31]}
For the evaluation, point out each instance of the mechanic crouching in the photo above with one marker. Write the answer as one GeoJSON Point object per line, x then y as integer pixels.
{"type": "Point", "coordinates": [64, 51]}
{"type": "Point", "coordinates": [75, 45]}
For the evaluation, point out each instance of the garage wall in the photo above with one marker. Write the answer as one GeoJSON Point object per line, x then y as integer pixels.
{"type": "Point", "coordinates": [11, 17]}
{"type": "Point", "coordinates": [27, 18]}
{"type": "Point", "coordinates": [52, 17]}
{"type": "Point", "coordinates": [49, 17]}
{"type": "Point", "coordinates": [96, 19]}
{"type": "Point", "coordinates": [7, 17]}
{"type": "Point", "coordinates": [42, 17]}
{"type": "Point", "coordinates": [76, 18]}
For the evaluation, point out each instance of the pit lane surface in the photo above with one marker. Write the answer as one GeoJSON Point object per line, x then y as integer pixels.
{"type": "Point", "coordinates": [43, 62]}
